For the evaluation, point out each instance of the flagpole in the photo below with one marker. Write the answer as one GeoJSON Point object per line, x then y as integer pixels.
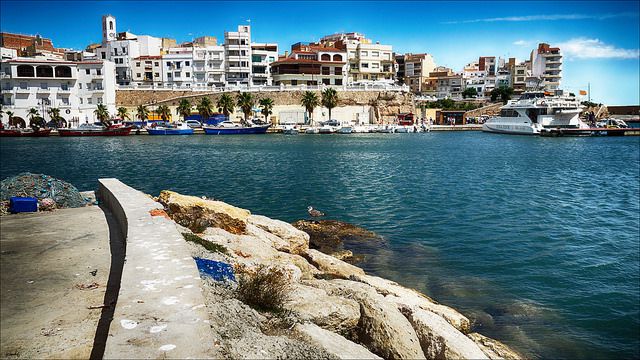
{"type": "Point", "coordinates": [589, 91]}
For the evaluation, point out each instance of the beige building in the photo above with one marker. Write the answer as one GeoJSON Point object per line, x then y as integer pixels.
{"type": "Point", "coordinates": [416, 70]}
{"type": "Point", "coordinates": [147, 70]}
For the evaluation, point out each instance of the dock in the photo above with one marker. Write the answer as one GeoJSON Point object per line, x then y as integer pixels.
{"type": "Point", "coordinates": [556, 132]}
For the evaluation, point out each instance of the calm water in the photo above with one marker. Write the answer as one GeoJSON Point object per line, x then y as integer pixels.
{"type": "Point", "coordinates": [536, 239]}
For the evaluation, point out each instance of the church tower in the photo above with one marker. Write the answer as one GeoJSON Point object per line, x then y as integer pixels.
{"type": "Point", "coordinates": [108, 28]}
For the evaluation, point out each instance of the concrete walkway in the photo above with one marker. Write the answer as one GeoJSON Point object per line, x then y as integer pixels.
{"type": "Point", "coordinates": [53, 268]}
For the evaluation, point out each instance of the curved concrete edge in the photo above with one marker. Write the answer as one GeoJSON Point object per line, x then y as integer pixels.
{"type": "Point", "coordinates": [160, 311]}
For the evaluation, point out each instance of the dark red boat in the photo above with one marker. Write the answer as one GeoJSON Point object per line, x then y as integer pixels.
{"type": "Point", "coordinates": [25, 132]}
{"type": "Point", "coordinates": [96, 130]}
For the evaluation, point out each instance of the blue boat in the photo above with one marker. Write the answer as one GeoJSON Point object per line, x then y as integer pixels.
{"type": "Point", "coordinates": [181, 129]}
{"type": "Point", "coordinates": [229, 128]}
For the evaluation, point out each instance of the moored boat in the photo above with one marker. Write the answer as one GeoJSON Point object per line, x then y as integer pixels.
{"type": "Point", "coordinates": [180, 129]}
{"type": "Point", "coordinates": [290, 130]}
{"type": "Point", "coordinates": [345, 130]}
{"type": "Point", "coordinates": [312, 130]}
{"type": "Point", "coordinates": [230, 128]}
{"type": "Point", "coordinates": [326, 129]}
{"type": "Point", "coordinates": [96, 130]}
{"type": "Point", "coordinates": [24, 132]}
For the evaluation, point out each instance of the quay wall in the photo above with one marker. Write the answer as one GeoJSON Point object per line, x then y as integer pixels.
{"type": "Point", "coordinates": [381, 106]}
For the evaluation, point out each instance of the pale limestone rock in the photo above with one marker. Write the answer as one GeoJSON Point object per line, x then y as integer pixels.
{"type": "Point", "coordinates": [332, 266]}
{"type": "Point", "coordinates": [198, 214]}
{"type": "Point", "coordinates": [298, 241]}
{"type": "Point", "coordinates": [409, 297]}
{"type": "Point", "coordinates": [438, 338]}
{"type": "Point", "coordinates": [332, 342]}
{"type": "Point", "coordinates": [330, 312]}
{"type": "Point", "coordinates": [494, 349]}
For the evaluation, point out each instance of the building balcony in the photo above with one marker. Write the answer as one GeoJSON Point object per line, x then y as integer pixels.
{"type": "Point", "coordinates": [64, 91]}
{"type": "Point", "coordinates": [98, 90]}
{"type": "Point", "coordinates": [23, 90]}
{"type": "Point", "coordinates": [9, 92]}
{"type": "Point", "coordinates": [44, 91]}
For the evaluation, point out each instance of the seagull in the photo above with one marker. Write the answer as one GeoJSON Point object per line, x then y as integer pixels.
{"type": "Point", "coordinates": [313, 212]}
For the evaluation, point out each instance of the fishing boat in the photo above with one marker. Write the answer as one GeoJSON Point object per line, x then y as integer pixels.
{"type": "Point", "coordinates": [290, 130]}
{"type": "Point", "coordinates": [312, 130]}
{"type": "Point", "coordinates": [24, 132]}
{"type": "Point", "coordinates": [537, 111]}
{"type": "Point", "coordinates": [230, 128]}
{"type": "Point", "coordinates": [178, 129]}
{"type": "Point", "coordinates": [401, 129]}
{"type": "Point", "coordinates": [96, 130]}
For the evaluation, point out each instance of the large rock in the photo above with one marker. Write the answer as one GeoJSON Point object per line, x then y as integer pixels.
{"type": "Point", "coordinates": [297, 241]}
{"type": "Point", "coordinates": [329, 236]}
{"type": "Point", "coordinates": [408, 297]}
{"type": "Point", "coordinates": [253, 251]}
{"type": "Point", "coordinates": [494, 349]}
{"type": "Point", "coordinates": [440, 340]}
{"type": "Point", "coordinates": [330, 312]}
{"type": "Point", "coordinates": [382, 328]}
{"type": "Point", "coordinates": [332, 343]}
{"type": "Point", "coordinates": [332, 266]}
{"type": "Point", "coordinates": [197, 214]}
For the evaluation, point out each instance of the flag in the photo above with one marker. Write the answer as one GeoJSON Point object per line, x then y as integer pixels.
{"type": "Point", "coordinates": [583, 92]}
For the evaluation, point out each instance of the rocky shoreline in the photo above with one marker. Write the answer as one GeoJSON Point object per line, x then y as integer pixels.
{"type": "Point", "coordinates": [333, 309]}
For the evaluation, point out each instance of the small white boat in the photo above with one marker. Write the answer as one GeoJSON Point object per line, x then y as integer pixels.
{"type": "Point", "coordinates": [312, 130]}
{"type": "Point", "coordinates": [401, 129]}
{"type": "Point", "coordinates": [361, 129]}
{"type": "Point", "coordinates": [290, 130]}
{"type": "Point", "coordinates": [326, 129]}
{"type": "Point", "coordinates": [385, 129]}
{"type": "Point", "coordinates": [345, 130]}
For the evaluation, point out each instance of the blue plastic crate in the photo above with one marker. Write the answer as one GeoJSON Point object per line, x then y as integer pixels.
{"type": "Point", "coordinates": [23, 204]}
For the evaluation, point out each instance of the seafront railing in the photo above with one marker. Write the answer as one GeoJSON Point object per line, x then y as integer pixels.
{"type": "Point", "coordinates": [267, 88]}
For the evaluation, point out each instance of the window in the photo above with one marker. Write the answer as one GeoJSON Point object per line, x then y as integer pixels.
{"type": "Point", "coordinates": [88, 86]}
{"type": "Point", "coordinates": [89, 101]}
{"type": "Point", "coordinates": [65, 101]}
{"type": "Point", "coordinates": [79, 85]}
{"type": "Point", "coordinates": [294, 82]}
{"type": "Point", "coordinates": [375, 65]}
{"type": "Point", "coordinates": [168, 75]}
{"type": "Point", "coordinates": [326, 81]}
{"type": "Point", "coordinates": [365, 65]}
{"type": "Point", "coordinates": [186, 63]}
{"type": "Point", "coordinates": [338, 81]}
{"type": "Point", "coordinates": [137, 63]}
{"type": "Point", "coordinates": [156, 63]}
{"type": "Point", "coordinates": [98, 72]}
{"type": "Point", "coordinates": [81, 101]}
{"type": "Point", "coordinates": [138, 75]}
{"type": "Point", "coordinates": [337, 57]}
{"type": "Point", "coordinates": [352, 54]}
{"type": "Point", "coordinates": [87, 71]}
{"type": "Point", "coordinates": [375, 54]}
{"type": "Point", "coordinates": [115, 51]}
{"type": "Point", "coordinates": [187, 74]}
{"type": "Point", "coordinates": [23, 85]}
{"type": "Point", "coordinates": [44, 86]}
{"type": "Point", "coordinates": [99, 100]}
{"type": "Point", "coordinates": [325, 57]}
{"type": "Point", "coordinates": [64, 87]}
{"type": "Point", "coordinates": [272, 59]}
{"type": "Point", "coordinates": [124, 50]}
{"type": "Point", "coordinates": [325, 71]}
{"type": "Point", "coordinates": [104, 55]}
{"type": "Point", "coordinates": [364, 53]}
{"type": "Point", "coordinates": [338, 70]}
{"type": "Point", "coordinates": [156, 75]}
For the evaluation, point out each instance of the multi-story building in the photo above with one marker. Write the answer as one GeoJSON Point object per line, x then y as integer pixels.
{"type": "Point", "coordinates": [310, 65]}
{"type": "Point", "coordinates": [208, 66]}
{"type": "Point", "coordinates": [519, 77]}
{"type": "Point", "coordinates": [546, 63]}
{"type": "Point", "coordinates": [443, 82]}
{"type": "Point", "coordinates": [416, 70]}
{"type": "Point", "coordinates": [237, 49]}
{"type": "Point", "coordinates": [177, 67]}
{"type": "Point", "coordinates": [76, 88]}
{"type": "Point", "coordinates": [367, 61]}
{"type": "Point", "coordinates": [8, 54]}
{"type": "Point", "coordinates": [147, 71]}
{"type": "Point", "coordinates": [399, 67]}
{"type": "Point", "coordinates": [262, 55]}
{"type": "Point", "coordinates": [29, 46]}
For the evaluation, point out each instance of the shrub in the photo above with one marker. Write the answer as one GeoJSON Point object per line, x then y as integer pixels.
{"type": "Point", "coordinates": [265, 289]}
{"type": "Point", "coordinates": [213, 247]}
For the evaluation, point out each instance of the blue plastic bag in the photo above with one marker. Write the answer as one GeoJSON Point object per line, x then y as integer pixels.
{"type": "Point", "coordinates": [216, 270]}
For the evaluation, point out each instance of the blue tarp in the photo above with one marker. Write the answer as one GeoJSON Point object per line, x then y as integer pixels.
{"type": "Point", "coordinates": [217, 270]}
{"type": "Point", "coordinates": [214, 119]}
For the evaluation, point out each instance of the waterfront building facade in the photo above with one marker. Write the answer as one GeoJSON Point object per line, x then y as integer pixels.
{"type": "Point", "coordinates": [311, 64]}
{"type": "Point", "coordinates": [237, 52]}
{"type": "Point", "coordinates": [76, 88]}
{"type": "Point", "coordinates": [147, 71]}
{"type": "Point", "coordinates": [416, 70]}
{"type": "Point", "coordinates": [546, 63]}
{"type": "Point", "coordinates": [262, 55]}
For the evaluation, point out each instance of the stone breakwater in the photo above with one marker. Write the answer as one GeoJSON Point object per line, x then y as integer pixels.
{"type": "Point", "coordinates": [383, 103]}
{"type": "Point", "coordinates": [335, 309]}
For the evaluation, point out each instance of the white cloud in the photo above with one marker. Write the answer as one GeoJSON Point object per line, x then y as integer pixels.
{"type": "Point", "coordinates": [522, 43]}
{"type": "Point", "coordinates": [546, 18]}
{"type": "Point", "coordinates": [583, 48]}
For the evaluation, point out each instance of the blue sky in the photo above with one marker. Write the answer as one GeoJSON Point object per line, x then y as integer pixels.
{"type": "Point", "coordinates": [600, 40]}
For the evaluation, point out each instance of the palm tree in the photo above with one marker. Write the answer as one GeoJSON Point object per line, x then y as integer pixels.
{"type": "Point", "coordinates": [267, 106]}
{"type": "Point", "coordinates": [32, 113]}
{"type": "Point", "coordinates": [10, 116]}
{"type": "Point", "coordinates": [54, 113]}
{"type": "Point", "coordinates": [102, 114]}
{"type": "Point", "coordinates": [309, 101]}
{"type": "Point", "coordinates": [35, 120]}
{"type": "Point", "coordinates": [205, 108]}
{"type": "Point", "coordinates": [142, 112]}
{"type": "Point", "coordinates": [184, 108]}
{"type": "Point", "coordinates": [226, 104]}
{"type": "Point", "coordinates": [123, 113]}
{"type": "Point", "coordinates": [164, 112]}
{"type": "Point", "coordinates": [329, 99]}
{"type": "Point", "coordinates": [245, 102]}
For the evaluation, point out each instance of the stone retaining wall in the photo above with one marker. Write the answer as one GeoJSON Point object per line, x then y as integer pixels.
{"type": "Point", "coordinates": [160, 312]}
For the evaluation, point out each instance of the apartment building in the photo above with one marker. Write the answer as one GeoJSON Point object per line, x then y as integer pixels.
{"type": "Point", "coordinates": [443, 82]}
{"type": "Point", "coordinates": [208, 65]}
{"type": "Point", "coordinates": [368, 61]}
{"type": "Point", "coordinates": [262, 55]}
{"type": "Point", "coordinates": [310, 64]}
{"type": "Point", "coordinates": [147, 71]}
{"type": "Point", "coordinates": [416, 70]}
{"type": "Point", "coordinates": [237, 50]}
{"type": "Point", "coordinates": [30, 45]}
{"type": "Point", "coordinates": [546, 63]}
{"type": "Point", "coordinates": [76, 88]}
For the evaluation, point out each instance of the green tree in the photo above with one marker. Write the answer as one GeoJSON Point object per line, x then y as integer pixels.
{"type": "Point", "coordinates": [309, 100]}
{"type": "Point", "coordinates": [503, 92]}
{"type": "Point", "coordinates": [329, 99]}
{"type": "Point", "coordinates": [102, 114]}
{"type": "Point", "coordinates": [469, 92]}
{"type": "Point", "coordinates": [267, 106]}
{"type": "Point", "coordinates": [164, 112]}
{"type": "Point", "coordinates": [245, 102]}
{"type": "Point", "coordinates": [205, 108]}
{"type": "Point", "coordinates": [225, 104]}
{"type": "Point", "coordinates": [123, 113]}
{"type": "Point", "coordinates": [184, 108]}
{"type": "Point", "coordinates": [142, 112]}
{"type": "Point", "coordinates": [54, 113]}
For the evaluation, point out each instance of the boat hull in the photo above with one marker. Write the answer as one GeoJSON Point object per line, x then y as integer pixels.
{"type": "Point", "coordinates": [24, 133]}
{"type": "Point", "coordinates": [510, 128]}
{"type": "Point", "coordinates": [236, 131]}
{"type": "Point", "coordinates": [170, 131]}
{"type": "Point", "coordinates": [123, 131]}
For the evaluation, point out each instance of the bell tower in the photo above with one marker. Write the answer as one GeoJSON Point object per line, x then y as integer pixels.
{"type": "Point", "coordinates": [108, 28]}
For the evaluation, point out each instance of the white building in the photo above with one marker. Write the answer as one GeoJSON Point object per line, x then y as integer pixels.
{"type": "Point", "coordinates": [8, 54]}
{"type": "Point", "coordinates": [546, 63]}
{"type": "Point", "coordinates": [147, 71]}
{"type": "Point", "coordinates": [208, 66]}
{"type": "Point", "coordinates": [76, 88]}
{"type": "Point", "coordinates": [367, 61]}
{"type": "Point", "coordinates": [237, 48]}
{"type": "Point", "coordinates": [262, 55]}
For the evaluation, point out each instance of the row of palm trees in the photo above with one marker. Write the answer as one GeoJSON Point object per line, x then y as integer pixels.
{"type": "Point", "coordinates": [310, 101]}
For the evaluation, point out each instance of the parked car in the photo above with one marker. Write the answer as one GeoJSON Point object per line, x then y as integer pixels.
{"type": "Point", "coordinates": [194, 124]}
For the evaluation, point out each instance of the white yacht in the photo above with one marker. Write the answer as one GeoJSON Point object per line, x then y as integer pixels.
{"type": "Point", "coordinates": [535, 111]}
